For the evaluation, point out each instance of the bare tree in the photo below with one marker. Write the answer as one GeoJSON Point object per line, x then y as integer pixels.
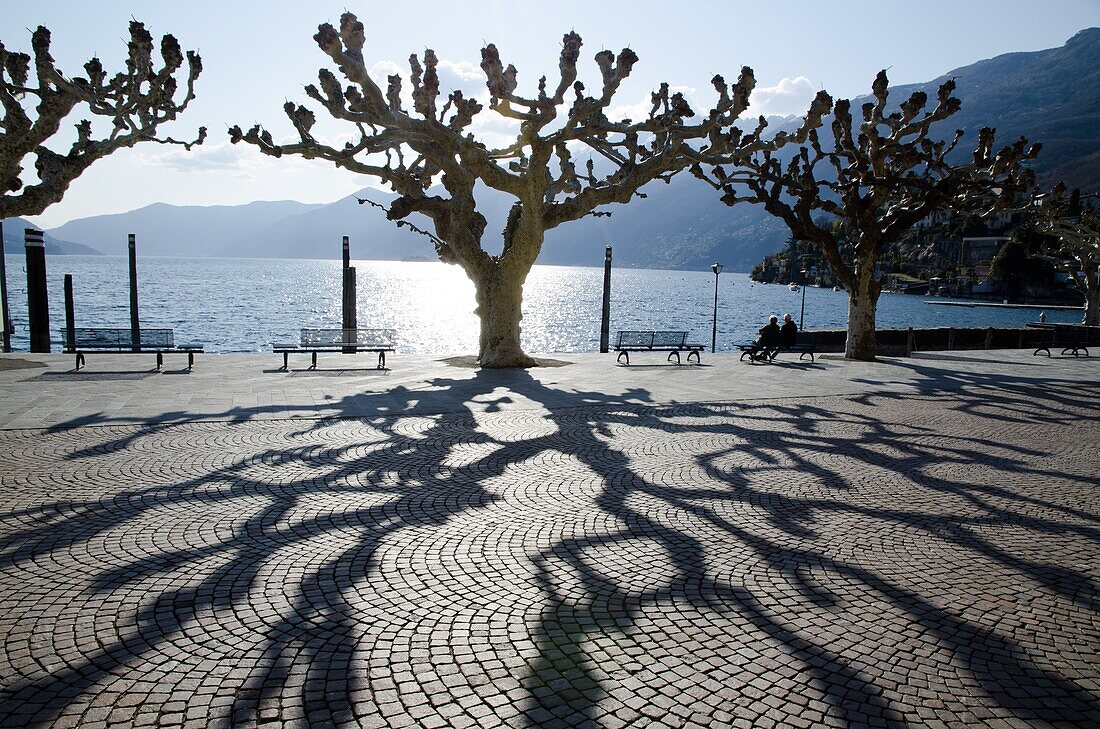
{"type": "Point", "coordinates": [136, 101]}
{"type": "Point", "coordinates": [1075, 223]}
{"type": "Point", "coordinates": [413, 150]}
{"type": "Point", "coordinates": [878, 181]}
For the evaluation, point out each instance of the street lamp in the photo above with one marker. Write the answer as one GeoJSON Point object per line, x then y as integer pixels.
{"type": "Point", "coordinates": [802, 312]}
{"type": "Point", "coordinates": [717, 268]}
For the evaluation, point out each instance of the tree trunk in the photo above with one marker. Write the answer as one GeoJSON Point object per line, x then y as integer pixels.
{"type": "Point", "coordinates": [862, 305]}
{"type": "Point", "coordinates": [499, 306]}
{"type": "Point", "coordinates": [1092, 305]}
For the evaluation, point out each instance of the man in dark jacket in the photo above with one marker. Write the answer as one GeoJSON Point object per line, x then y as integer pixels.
{"type": "Point", "coordinates": [769, 339]}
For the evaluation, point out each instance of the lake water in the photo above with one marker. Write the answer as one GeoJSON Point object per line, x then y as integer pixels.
{"type": "Point", "coordinates": [244, 305]}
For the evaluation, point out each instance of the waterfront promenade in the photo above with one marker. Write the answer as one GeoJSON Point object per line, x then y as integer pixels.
{"type": "Point", "coordinates": [912, 541]}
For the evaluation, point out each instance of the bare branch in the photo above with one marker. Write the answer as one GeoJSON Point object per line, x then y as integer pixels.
{"type": "Point", "coordinates": [136, 101]}
{"type": "Point", "coordinates": [537, 170]}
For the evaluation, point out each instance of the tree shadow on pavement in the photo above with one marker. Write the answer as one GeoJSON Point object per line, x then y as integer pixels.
{"type": "Point", "coordinates": [866, 559]}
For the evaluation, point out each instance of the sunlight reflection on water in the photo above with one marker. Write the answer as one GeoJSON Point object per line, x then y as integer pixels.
{"type": "Point", "coordinates": [245, 305]}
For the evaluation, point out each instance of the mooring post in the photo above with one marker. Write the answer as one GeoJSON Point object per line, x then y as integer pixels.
{"type": "Point", "coordinates": [910, 343]}
{"type": "Point", "coordinates": [988, 337]}
{"type": "Point", "coordinates": [70, 314]}
{"type": "Point", "coordinates": [605, 316]}
{"type": "Point", "coordinates": [38, 302]}
{"type": "Point", "coordinates": [5, 315]}
{"type": "Point", "coordinates": [950, 339]}
{"type": "Point", "coordinates": [346, 315]}
{"type": "Point", "coordinates": [135, 322]}
{"type": "Point", "coordinates": [349, 310]}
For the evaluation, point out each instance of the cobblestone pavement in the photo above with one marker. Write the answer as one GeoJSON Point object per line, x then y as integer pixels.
{"type": "Point", "coordinates": [921, 558]}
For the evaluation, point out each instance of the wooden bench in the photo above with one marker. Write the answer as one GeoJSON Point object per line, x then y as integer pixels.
{"type": "Point", "coordinates": [1069, 338]}
{"type": "Point", "coordinates": [120, 341]}
{"type": "Point", "coordinates": [805, 343]}
{"type": "Point", "coordinates": [348, 341]}
{"type": "Point", "coordinates": [654, 341]}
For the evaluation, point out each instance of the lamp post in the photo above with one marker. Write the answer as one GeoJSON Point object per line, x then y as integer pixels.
{"type": "Point", "coordinates": [802, 311]}
{"type": "Point", "coordinates": [717, 268]}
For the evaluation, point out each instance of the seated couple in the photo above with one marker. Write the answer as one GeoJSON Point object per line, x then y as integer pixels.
{"type": "Point", "coordinates": [773, 337]}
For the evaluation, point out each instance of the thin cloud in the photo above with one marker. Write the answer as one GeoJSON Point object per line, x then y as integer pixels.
{"type": "Point", "coordinates": [199, 159]}
{"type": "Point", "coordinates": [789, 96]}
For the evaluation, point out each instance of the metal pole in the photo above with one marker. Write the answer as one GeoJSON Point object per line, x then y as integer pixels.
{"type": "Point", "coordinates": [70, 315]}
{"type": "Point", "coordinates": [605, 315]}
{"type": "Point", "coordinates": [5, 315]}
{"type": "Point", "coordinates": [135, 321]}
{"type": "Point", "coordinates": [802, 312]}
{"type": "Point", "coordinates": [714, 327]}
{"type": "Point", "coordinates": [38, 302]}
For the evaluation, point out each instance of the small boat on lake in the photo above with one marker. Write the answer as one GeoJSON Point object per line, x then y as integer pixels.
{"type": "Point", "coordinates": [793, 286]}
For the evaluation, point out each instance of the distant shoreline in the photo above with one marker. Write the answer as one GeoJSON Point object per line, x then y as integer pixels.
{"type": "Point", "coordinates": [993, 305]}
{"type": "Point", "coordinates": [597, 265]}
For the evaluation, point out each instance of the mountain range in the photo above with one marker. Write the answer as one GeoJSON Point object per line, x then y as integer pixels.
{"type": "Point", "coordinates": [14, 239]}
{"type": "Point", "coordinates": [1052, 96]}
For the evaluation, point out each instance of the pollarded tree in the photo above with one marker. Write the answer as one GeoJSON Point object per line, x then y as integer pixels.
{"type": "Point", "coordinates": [878, 180]}
{"type": "Point", "coordinates": [1075, 223]}
{"type": "Point", "coordinates": [136, 101]}
{"type": "Point", "coordinates": [411, 150]}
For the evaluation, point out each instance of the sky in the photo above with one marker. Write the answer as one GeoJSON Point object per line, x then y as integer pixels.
{"type": "Point", "coordinates": [257, 55]}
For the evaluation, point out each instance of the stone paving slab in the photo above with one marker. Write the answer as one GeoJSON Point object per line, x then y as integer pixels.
{"type": "Point", "coordinates": [525, 549]}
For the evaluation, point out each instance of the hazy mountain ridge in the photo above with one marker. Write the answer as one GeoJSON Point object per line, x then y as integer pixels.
{"type": "Point", "coordinates": [14, 239]}
{"type": "Point", "coordinates": [179, 230]}
{"type": "Point", "coordinates": [1052, 96]}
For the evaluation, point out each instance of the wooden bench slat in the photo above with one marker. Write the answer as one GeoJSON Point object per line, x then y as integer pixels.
{"type": "Point", "coordinates": [347, 337]}
{"type": "Point", "coordinates": [99, 337]}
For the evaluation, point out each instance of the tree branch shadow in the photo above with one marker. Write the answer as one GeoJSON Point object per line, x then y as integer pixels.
{"type": "Point", "coordinates": [710, 511]}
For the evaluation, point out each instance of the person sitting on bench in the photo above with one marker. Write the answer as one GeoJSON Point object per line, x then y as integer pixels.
{"type": "Point", "coordinates": [788, 333]}
{"type": "Point", "coordinates": [769, 338]}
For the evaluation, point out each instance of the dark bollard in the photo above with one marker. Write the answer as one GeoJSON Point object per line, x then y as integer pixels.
{"type": "Point", "coordinates": [6, 328]}
{"type": "Point", "coordinates": [70, 314]}
{"type": "Point", "coordinates": [605, 316]}
{"type": "Point", "coordinates": [38, 302]}
{"type": "Point", "coordinates": [347, 315]}
{"type": "Point", "coordinates": [350, 314]}
{"type": "Point", "coordinates": [135, 322]}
